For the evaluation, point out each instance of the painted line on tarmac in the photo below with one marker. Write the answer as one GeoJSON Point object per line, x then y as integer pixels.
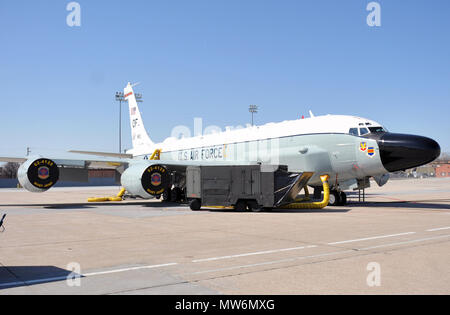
{"type": "Point", "coordinates": [254, 253]}
{"type": "Point", "coordinates": [313, 256]}
{"type": "Point", "coordinates": [127, 269]}
{"type": "Point", "coordinates": [271, 262]}
{"type": "Point", "coordinates": [439, 229]}
{"type": "Point", "coordinates": [91, 274]}
{"type": "Point", "coordinates": [407, 242]}
{"type": "Point", "coordinates": [371, 238]}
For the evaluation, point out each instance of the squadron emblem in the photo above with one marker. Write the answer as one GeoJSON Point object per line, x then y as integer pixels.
{"type": "Point", "coordinates": [363, 146]}
{"type": "Point", "coordinates": [156, 179]}
{"type": "Point", "coordinates": [43, 172]}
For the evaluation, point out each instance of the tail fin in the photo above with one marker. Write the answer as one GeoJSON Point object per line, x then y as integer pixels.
{"type": "Point", "coordinates": [140, 138]}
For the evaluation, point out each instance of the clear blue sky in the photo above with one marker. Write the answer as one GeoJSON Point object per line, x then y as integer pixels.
{"type": "Point", "coordinates": [213, 58]}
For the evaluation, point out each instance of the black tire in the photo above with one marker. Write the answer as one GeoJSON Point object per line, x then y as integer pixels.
{"type": "Point", "coordinates": [175, 195]}
{"type": "Point", "coordinates": [240, 205]}
{"type": "Point", "coordinates": [343, 199]}
{"type": "Point", "coordinates": [166, 195]}
{"type": "Point", "coordinates": [195, 204]}
{"type": "Point", "coordinates": [335, 198]}
{"type": "Point", "coordinates": [253, 206]}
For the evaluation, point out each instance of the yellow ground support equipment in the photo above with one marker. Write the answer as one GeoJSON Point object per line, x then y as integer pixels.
{"type": "Point", "coordinates": [119, 197]}
{"type": "Point", "coordinates": [313, 205]}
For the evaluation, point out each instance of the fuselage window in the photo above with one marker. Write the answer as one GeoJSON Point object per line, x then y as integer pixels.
{"type": "Point", "coordinates": [376, 129]}
{"type": "Point", "coordinates": [353, 131]}
{"type": "Point", "coordinates": [363, 131]}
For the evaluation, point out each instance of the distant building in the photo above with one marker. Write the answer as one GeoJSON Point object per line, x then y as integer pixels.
{"type": "Point", "coordinates": [443, 169]}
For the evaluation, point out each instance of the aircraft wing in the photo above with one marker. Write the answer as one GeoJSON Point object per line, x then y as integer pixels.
{"type": "Point", "coordinates": [105, 154]}
{"type": "Point", "coordinates": [12, 159]}
{"type": "Point", "coordinates": [87, 162]}
{"type": "Point", "coordinates": [40, 173]}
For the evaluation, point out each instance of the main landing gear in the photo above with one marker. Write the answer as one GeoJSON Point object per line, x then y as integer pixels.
{"type": "Point", "coordinates": [176, 194]}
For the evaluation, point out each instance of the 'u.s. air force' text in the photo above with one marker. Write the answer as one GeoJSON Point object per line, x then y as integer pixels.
{"type": "Point", "coordinates": [213, 153]}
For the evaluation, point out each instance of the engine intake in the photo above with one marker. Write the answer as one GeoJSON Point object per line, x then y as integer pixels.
{"type": "Point", "coordinates": [146, 180]}
{"type": "Point", "coordinates": [38, 175]}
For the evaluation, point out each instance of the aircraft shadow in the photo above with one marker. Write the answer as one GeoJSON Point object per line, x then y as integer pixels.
{"type": "Point", "coordinates": [326, 210]}
{"type": "Point", "coordinates": [14, 276]}
{"type": "Point", "coordinates": [421, 204]}
{"type": "Point", "coordinates": [93, 205]}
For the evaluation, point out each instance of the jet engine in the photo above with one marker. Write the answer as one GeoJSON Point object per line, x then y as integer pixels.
{"type": "Point", "coordinates": [38, 174]}
{"type": "Point", "coordinates": [145, 180]}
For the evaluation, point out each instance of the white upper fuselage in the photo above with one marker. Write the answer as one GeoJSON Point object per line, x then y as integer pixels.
{"type": "Point", "coordinates": [329, 124]}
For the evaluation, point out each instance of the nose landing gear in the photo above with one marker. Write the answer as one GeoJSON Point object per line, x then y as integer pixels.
{"type": "Point", "coordinates": [337, 198]}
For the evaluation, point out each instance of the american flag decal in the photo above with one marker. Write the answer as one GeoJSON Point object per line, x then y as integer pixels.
{"type": "Point", "coordinates": [133, 111]}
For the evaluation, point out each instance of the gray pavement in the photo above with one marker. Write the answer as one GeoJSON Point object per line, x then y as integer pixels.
{"type": "Point", "coordinates": [396, 243]}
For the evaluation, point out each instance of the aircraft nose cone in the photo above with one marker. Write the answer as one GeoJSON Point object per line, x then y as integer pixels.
{"type": "Point", "coordinates": [400, 152]}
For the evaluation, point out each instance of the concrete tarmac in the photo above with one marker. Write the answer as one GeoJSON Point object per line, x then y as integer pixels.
{"type": "Point", "coordinates": [398, 242]}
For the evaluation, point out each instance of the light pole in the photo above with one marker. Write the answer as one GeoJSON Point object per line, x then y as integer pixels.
{"type": "Point", "coordinates": [120, 97]}
{"type": "Point", "coordinates": [253, 109]}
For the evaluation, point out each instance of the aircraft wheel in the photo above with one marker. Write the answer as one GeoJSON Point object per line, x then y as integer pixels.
{"type": "Point", "coordinates": [195, 204]}
{"type": "Point", "coordinates": [335, 198]}
{"type": "Point", "coordinates": [343, 199]}
{"type": "Point", "coordinates": [176, 194]}
{"type": "Point", "coordinates": [166, 195]}
{"type": "Point", "coordinates": [241, 205]}
{"type": "Point", "coordinates": [253, 206]}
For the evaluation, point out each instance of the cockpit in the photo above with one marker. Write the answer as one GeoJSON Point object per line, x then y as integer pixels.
{"type": "Point", "coordinates": [366, 128]}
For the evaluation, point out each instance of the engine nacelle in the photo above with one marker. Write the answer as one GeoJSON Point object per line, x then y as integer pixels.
{"type": "Point", "coordinates": [38, 174]}
{"type": "Point", "coordinates": [146, 180]}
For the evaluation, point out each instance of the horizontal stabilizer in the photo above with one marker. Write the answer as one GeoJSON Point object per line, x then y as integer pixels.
{"type": "Point", "coordinates": [106, 154]}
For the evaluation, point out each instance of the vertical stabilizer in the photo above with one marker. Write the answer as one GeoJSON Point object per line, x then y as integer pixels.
{"type": "Point", "coordinates": [140, 138]}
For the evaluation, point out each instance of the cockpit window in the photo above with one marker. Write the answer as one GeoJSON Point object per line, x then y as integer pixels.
{"type": "Point", "coordinates": [353, 131]}
{"type": "Point", "coordinates": [376, 129]}
{"type": "Point", "coordinates": [363, 131]}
